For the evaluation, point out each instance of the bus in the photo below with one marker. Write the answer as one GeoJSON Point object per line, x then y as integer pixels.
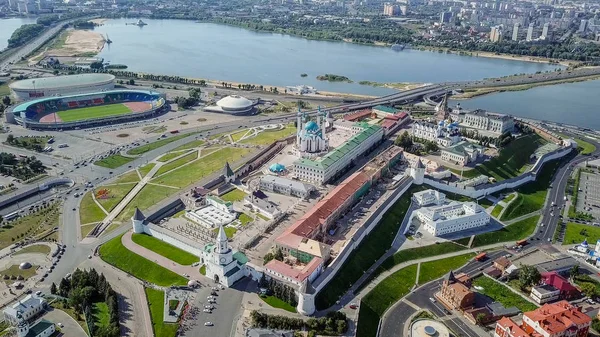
{"type": "Point", "coordinates": [522, 242]}
{"type": "Point", "coordinates": [480, 256]}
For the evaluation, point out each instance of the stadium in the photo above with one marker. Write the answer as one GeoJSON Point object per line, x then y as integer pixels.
{"type": "Point", "coordinates": [87, 110]}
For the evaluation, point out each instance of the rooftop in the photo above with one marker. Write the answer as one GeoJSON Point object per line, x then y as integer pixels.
{"type": "Point", "coordinates": [298, 273]}
{"type": "Point", "coordinates": [462, 148]}
{"type": "Point", "coordinates": [385, 109]}
{"type": "Point", "coordinates": [37, 329]}
{"type": "Point", "coordinates": [557, 317]}
{"type": "Point", "coordinates": [25, 304]}
{"type": "Point", "coordinates": [58, 82]}
{"type": "Point", "coordinates": [294, 184]}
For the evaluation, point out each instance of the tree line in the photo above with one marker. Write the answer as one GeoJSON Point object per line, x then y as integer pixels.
{"type": "Point", "coordinates": [24, 34]}
{"type": "Point", "coordinates": [333, 324]}
{"type": "Point", "coordinates": [25, 168]}
{"type": "Point", "coordinates": [280, 290]}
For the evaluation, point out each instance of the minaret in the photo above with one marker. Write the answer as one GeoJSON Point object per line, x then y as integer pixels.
{"type": "Point", "coordinates": [138, 221]}
{"type": "Point", "coordinates": [298, 126]}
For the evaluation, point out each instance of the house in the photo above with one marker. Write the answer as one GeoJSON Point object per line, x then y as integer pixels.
{"type": "Point", "coordinates": [567, 291]}
{"type": "Point", "coordinates": [455, 293]}
{"type": "Point", "coordinates": [26, 309]}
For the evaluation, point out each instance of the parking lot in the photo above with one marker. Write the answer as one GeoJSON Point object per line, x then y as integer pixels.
{"type": "Point", "coordinates": [588, 198]}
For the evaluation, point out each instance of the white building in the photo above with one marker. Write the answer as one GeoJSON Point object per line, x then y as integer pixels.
{"type": "Point", "coordinates": [33, 88]}
{"type": "Point", "coordinates": [301, 90]}
{"type": "Point", "coordinates": [544, 294]}
{"type": "Point", "coordinates": [462, 153]}
{"type": "Point", "coordinates": [43, 328]}
{"type": "Point", "coordinates": [222, 264]}
{"type": "Point", "coordinates": [452, 217]}
{"type": "Point", "coordinates": [321, 170]}
{"type": "Point", "coordinates": [311, 139]}
{"type": "Point", "coordinates": [482, 120]}
{"type": "Point", "coordinates": [213, 214]}
{"type": "Point", "coordinates": [263, 206]}
{"type": "Point", "coordinates": [286, 186]}
{"type": "Point", "coordinates": [26, 309]}
{"type": "Point", "coordinates": [428, 197]}
{"type": "Point", "coordinates": [443, 134]}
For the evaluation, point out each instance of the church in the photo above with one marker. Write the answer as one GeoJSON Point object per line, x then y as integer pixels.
{"type": "Point", "coordinates": [311, 140]}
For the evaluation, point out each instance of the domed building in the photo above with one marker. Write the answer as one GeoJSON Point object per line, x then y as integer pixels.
{"type": "Point", "coordinates": [233, 104]}
{"type": "Point", "coordinates": [277, 168]}
{"type": "Point", "coordinates": [311, 140]}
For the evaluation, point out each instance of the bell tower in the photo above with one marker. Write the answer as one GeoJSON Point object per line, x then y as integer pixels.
{"type": "Point", "coordinates": [223, 254]}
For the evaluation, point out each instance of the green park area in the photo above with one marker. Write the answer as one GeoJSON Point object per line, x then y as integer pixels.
{"type": "Point", "coordinates": [245, 218]}
{"type": "Point", "coordinates": [14, 272]}
{"type": "Point", "coordinates": [109, 196]}
{"type": "Point", "coordinates": [34, 249]}
{"type": "Point", "coordinates": [156, 144]}
{"type": "Point", "coordinates": [269, 136]}
{"type": "Point", "coordinates": [370, 250]}
{"type": "Point", "coordinates": [202, 167]}
{"type": "Point", "coordinates": [513, 232]}
{"type": "Point", "coordinates": [410, 254]}
{"type": "Point", "coordinates": [113, 252]}
{"type": "Point", "coordinates": [575, 233]}
{"type": "Point", "coordinates": [277, 303]}
{"type": "Point", "coordinates": [238, 135]}
{"type": "Point", "coordinates": [170, 155]}
{"type": "Point", "coordinates": [113, 161]}
{"type": "Point", "coordinates": [92, 112]}
{"type": "Point", "coordinates": [229, 231]}
{"type": "Point", "coordinates": [509, 198]}
{"type": "Point", "coordinates": [169, 251]}
{"type": "Point", "coordinates": [583, 146]}
{"type": "Point", "coordinates": [497, 210]}
{"type": "Point", "coordinates": [86, 229]}
{"type": "Point", "coordinates": [433, 270]}
{"type": "Point", "coordinates": [89, 211]}
{"type": "Point", "coordinates": [144, 170]}
{"type": "Point", "coordinates": [37, 224]}
{"type": "Point", "coordinates": [127, 177]}
{"type": "Point", "coordinates": [177, 163]}
{"type": "Point", "coordinates": [156, 303]}
{"type": "Point", "coordinates": [234, 195]}
{"type": "Point", "coordinates": [191, 145]}
{"type": "Point", "coordinates": [512, 160]}
{"type": "Point", "coordinates": [500, 293]}
{"type": "Point", "coordinates": [148, 196]}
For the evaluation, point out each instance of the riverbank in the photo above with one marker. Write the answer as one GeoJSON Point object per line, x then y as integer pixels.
{"type": "Point", "coordinates": [472, 93]}
{"type": "Point", "coordinates": [72, 43]}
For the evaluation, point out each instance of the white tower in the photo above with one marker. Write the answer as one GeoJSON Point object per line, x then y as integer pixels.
{"type": "Point", "coordinates": [223, 253]}
{"type": "Point", "coordinates": [138, 221]}
{"type": "Point", "coordinates": [306, 299]}
{"type": "Point", "coordinates": [597, 248]}
{"type": "Point", "coordinates": [329, 119]}
{"type": "Point", "coordinates": [299, 126]}
{"type": "Point", "coordinates": [228, 173]}
{"type": "Point", "coordinates": [417, 172]}
{"type": "Point", "coordinates": [22, 328]}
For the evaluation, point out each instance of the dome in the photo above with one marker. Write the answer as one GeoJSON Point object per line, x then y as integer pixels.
{"type": "Point", "coordinates": [25, 265]}
{"type": "Point", "coordinates": [584, 243]}
{"type": "Point", "coordinates": [429, 330]}
{"type": "Point", "coordinates": [277, 168]}
{"type": "Point", "coordinates": [311, 126]}
{"type": "Point", "coordinates": [235, 103]}
{"type": "Point", "coordinates": [192, 283]}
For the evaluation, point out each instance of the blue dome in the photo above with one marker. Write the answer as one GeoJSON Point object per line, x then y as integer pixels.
{"type": "Point", "coordinates": [585, 243]}
{"type": "Point", "coordinates": [277, 168]}
{"type": "Point", "coordinates": [311, 126]}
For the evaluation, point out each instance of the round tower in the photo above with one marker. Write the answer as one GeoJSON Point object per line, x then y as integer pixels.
{"type": "Point", "coordinates": [137, 221]}
{"type": "Point", "coordinates": [306, 299]}
{"type": "Point", "coordinates": [417, 172]}
{"type": "Point", "coordinates": [22, 328]}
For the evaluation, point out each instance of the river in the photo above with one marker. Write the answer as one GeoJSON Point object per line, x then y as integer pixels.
{"type": "Point", "coordinates": [220, 52]}
{"type": "Point", "coordinates": [8, 26]}
{"type": "Point", "coordinates": [569, 103]}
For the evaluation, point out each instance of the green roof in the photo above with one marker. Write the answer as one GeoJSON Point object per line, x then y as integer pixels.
{"type": "Point", "coordinates": [67, 81]}
{"type": "Point", "coordinates": [384, 108]}
{"type": "Point", "coordinates": [209, 247]}
{"type": "Point", "coordinates": [460, 148]}
{"type": "Point", "coordinates": [240, 258]}
{"type": "Point", "coordinates": [340, 152]}
{"type": "Point", "coordinates": [220, 201]}
{"type": "Point", "coordinates": [40, 327]}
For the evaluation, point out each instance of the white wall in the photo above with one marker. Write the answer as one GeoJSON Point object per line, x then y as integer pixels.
{"type": "Point", "coordinates": [157, 233]}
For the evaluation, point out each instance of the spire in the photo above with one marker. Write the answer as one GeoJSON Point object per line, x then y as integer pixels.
{"type": "Point", "coordinates": [419, 164]}
{"type": "Point", "coordinates": [227, 171]}
{"type": "Point", "coordinates": [221, 236]}
{"type": "Point", "coordinates": [450, 277]}
{"type": "Point", "coordinates": [138, 215]}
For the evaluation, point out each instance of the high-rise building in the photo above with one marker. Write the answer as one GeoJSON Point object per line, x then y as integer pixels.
{"type": "Point", "coordinates": [515, 32]}
{"type": "Point", "coordinates": [530, 32]}
{"type": "Point", "coordinates": [445, 17]}
{"type": "Point", "coordinates": [496, 34]}
{"type": "Point", "coordinates": [583, 26]}
{"type": "Point", "coordinates": [546, 31]}
{"type": "Point", "coordinates": [391, 9]}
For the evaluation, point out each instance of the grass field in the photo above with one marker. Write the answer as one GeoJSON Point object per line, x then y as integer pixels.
{"type": "Point", "coordinates": [585, 147]}
{"type": "Point", "coordinates": [4, 89]}
{"type": "Point", "coordinates": [268, 137]}
{"type": "Point", "coordinates": [89, 211]}
{"type": "Point", "coordinates": [435, 269]}
{"type": "Point", "coordinates": [15, 271]}
{"type": "Point", "coordinates": [419, 253]}
{"type": "Point", "coordinates": [116, 193]}
{"type": "Point", "coordinates": [191, 145]}
{"type": "Point", "coordinates": [513, 232]}
{"type": "Point", "coordinates": [170, 155]}
{"type": "Point", "coordinates": [509, 198]}
{"type": "Point", "coordinates": [155, 302]}
{"type": "Point", "coordinates": [149, 196]}
{"type": "Point", "coordinates": [234, 195]}
{"type": "Point", "coordinates": [238, 135]}
{"type": "Point", "coordinates": [169, 251]}
{"type": "Point", "coordinates": [93, 112]}
{"type": "Point", "coordinates": [155, 145]}
{"type": "Point", "coordinates": [86, 229]}
{"type": "Point", "coordinates": [277, 303]}
{"type": "Point", "coordinates": [41, 249]}
{"type": "Point", "coordinates": [202, 167]}
{"type": "Point", "coordinates": [177, 163]}
{"type": "Point", "coordinates": [100, 314]}
{"type": "Point", "coordinates": [371, 249]}
{"type": "Point", "coordinates": [113, 252]}
{"type": "Point", "coordinates": [144, 170]}
{"type": "Point", "coordinates": [576, 233]}
{"type": "Point", "coordinates": [229, 231]}
{"type": "Point", "coordinates": [127, 177]}
{"type": "Point", "coordinates": [30, 225]}
{"type": "Point", "coordinates": [245, 219]}
{"type": "Point", "coordinates": [497, 210]}
{"type": "Point", "coordinates": [113, 161]}
{"type": "Point", "coordinates": [500, 293]}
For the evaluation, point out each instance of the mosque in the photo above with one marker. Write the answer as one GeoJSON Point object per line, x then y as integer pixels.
{"type": "Point", "coordinates": [591, 254]}
{"type": "Point", "coordinates": [311, 139]}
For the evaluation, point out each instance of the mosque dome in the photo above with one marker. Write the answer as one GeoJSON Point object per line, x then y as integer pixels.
{"type": "Point", "coordinates": [311, 126]}
{"type": "Point", "coordinates": [277, 168]}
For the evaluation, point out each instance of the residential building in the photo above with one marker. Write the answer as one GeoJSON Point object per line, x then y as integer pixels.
{"type": "Point", "coordinates": [496, 34]}
{"type": "Point", "coordinates": [567, 291]}
{"type": "Point", "coordinates": [482, 120]}
{"type": "Point", "coordinates": [26, 309]}
{"type": "Point", "coordinates": [506, 327]}
{"type": "Point", "coordinates": [452, 217]}
{"type": "Point", "coordinates": [286, 186]}
{"type": "Point", "coordinates": [515, 32]}
{"type": "Point", "coordinates": [546, 31]}
{"type": "Point", "coordinates": [454, 292]}
{"type": "Point", "coordinates": [391, 9]}
{"type": "Point", "coordinates": [259, 202]}
{"type": "Point", "coordinates": [428, 197]}
{"type": "Point", "coordinates": [462, 153]}
{"type": "Point", "coordinates": [544, 293]}
{"type": "Point", "coordinates": [445, 17]}
{"type": "Point", "coordinates": [530, 31]}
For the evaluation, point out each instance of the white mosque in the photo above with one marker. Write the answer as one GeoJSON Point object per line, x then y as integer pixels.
{"type": "Point", "coordinates": [311, 140]}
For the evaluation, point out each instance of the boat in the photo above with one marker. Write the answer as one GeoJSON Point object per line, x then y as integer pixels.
{"type": "Point", "coordinates": [397, 47]}
{"type": "Point", "coordinates": [108, 40]}
{"type": "Point", "coordinates": [141, 23]}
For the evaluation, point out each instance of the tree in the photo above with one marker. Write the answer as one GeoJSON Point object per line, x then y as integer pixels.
{"type": "Point", "coordinates": [53, 288]}
{"type": "Point", "coordinates": [480, 317]}
{"type": "Point", "coordinates": [404, 140]}
{"type": "Point", "coordinates": [528, 276]}
{"type": "Point", "coordinates": [278, 255]}
{"type": "Point", "coordinates": [574, 271]}
{"type": "Point", "coordinates": [10, 139]}
{"type": "Point", "coordinates": [6, 100]}
{"type": "Point", "coordinates": [588, 289]}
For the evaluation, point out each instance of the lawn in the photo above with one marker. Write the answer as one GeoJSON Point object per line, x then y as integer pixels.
{"type": "Point", "coordinates": [497, 210]}
{"type": "Point", "coordinates": [150, 195]}
{"type": "Point", "coordinates": [419, 253]}
{"type": "Point", "coordinates": [576, 233]}
{"type": "Point", "coordinates": [4, 89]}
{"type": "Point", "coordinates": [509, 198]}
{"type": "Point", "coordinates": [238, 135]}
{"type": "Point", "coordinates": [93, 112]}
{"type": "Point", "coordinates": [144, 170]}
{"type": "Point", "coordinates": [89, 211]}
{"type": "Point", "coordinates": [203, 270]}
{"type": "Point", "coordinates": [391, 289]}
{"type": "Point", "coordinates": [435, 269]}
{"type": "Point", "coordinates": [155, 302]}
{"type": "Point", "coordinates": [113, 161]}
{"type": "Point", "coordinates": [31, 225]}
{"type": "Point", "coordinates": [41, 249]}
{"type": "Point", "coordinates": [169, 251]}
{"type": "Point", "coordinates": [170, 155]}
{"type": "Point", "coordinates": [369, 321]}
{"type": "Point", "coordinates": [191, 145]}
{"type": "Point", "coordinates": [113, 252]}
{"type": "Point", "coordinates": [116, 193]}
{"type": "Point", "coordinates": [513, 232]}
{"type": "Point", "coordinates": [100, 314]}
{"type": "Point", "coordinates": [177, 163]}
{"type": "Point", "coordinates": [229, 231]}
{"type": "Point", "coordinates": [128, 177]}
{"type": "Point", "coordinates": [502, 294]}
{"type": "Point", "coordinates": [369, 251]}
{"type": "Point", "coordinates": [267, 137]}
{"type": "Point", "coordinates": [585, 147]}
{"type": "Point", "coordinates": [234, 195]}
{"type": "Point", "coordinates": [15, 271]}
{"type": "Point", "coordinates": [86, 229]}
{"type": "Point", "coordinates": [202, 167]}
{"type": "Point", "coordinates": [277, 303]}
{"type": "Point", "coordinates": [155, 145]}
{"type": "Point", "coordinates": [245, 219]}
{"type": "Point", "coordinates": [173, 304]}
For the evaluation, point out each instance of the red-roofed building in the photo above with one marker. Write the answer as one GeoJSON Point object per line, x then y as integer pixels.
{"type": "Point", "coordinates": [358, 115]}
{"type": "Point", "coordinates": [294, 274]}
{"type": "Point", "coordinates": [567, 290]}
{"type": "Point", "coordinates": [559, 319]}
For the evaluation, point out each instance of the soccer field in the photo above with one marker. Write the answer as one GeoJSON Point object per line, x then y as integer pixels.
{"type": "Point", "coordinates": [93, 112]}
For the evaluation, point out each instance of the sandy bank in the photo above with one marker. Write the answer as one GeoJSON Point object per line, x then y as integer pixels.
{"type": "Point", "coordinates": [98, 21]}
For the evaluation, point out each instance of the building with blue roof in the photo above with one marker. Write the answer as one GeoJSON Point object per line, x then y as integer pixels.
{"type": "Point", "coordinates": [311, 140]}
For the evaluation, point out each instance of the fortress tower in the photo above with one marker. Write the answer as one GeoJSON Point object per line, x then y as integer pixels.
{"type": "Point", "coordinates": [306, 299]}
{"type": "Point", "coordinates": [417, 172]}
{"type": "Point", "coordinates": [137, 220]}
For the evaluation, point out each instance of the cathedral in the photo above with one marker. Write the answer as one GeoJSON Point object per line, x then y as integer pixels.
{"type": "Point", "coordinates": [311, 139]}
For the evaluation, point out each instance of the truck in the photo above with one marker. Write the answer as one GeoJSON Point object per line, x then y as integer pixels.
{"type": "Point", "coordinates": [480, 256]}
{"type": "Point", "coordinates": [522, 242]}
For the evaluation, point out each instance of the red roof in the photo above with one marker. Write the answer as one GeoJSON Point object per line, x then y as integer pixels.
{"type": "Point", "coordinates": [558, 317]}
{"type": "Point", "coordinates": [402, 115]}
{"type": "Point", "coordinates": [392, 117]}
{"type": "Point", "coordinates": [515, 330]}
{"type": "Point", "coordinates": [358, 115]}
{"type": "Point", "coordinates": [294, 273]}
{"type": "Point", "coordinates": [558, 282]}
{"type": "Point", "coordinates": [388, 123]}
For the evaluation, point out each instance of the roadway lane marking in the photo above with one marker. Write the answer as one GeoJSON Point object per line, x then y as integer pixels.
{"type": "Point", "coordinates": [414, 306]}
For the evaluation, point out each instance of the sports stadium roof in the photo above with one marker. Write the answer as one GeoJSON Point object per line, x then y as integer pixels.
{"type": "Point", "coordinates": [61, 81]}
{"type": "Point", "coordinates": [235, 102]}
